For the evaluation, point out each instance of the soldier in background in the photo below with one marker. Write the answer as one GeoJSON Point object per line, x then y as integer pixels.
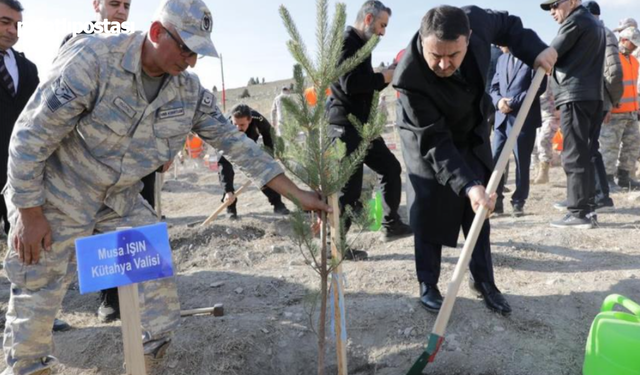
{"type": "Point", "coordinates": [620, 138]}
{"type": "Point", "coordinates": [96, 135]}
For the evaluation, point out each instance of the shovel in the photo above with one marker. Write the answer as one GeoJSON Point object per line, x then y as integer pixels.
{"type": "Point", "coordinates": [224, 205]}
{"type": "Point", "coordinates": [437, 335]}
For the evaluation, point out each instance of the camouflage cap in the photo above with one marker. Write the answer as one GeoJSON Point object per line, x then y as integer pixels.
{"type": "Point", "coordinates": [631, 34]}
{"type": "Point", "coordinates": [625, 23]}
{"type": "Point", "coordinates": [192, 19]}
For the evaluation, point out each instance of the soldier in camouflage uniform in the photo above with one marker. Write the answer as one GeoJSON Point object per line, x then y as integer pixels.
{"type": "Point", "coordinates": [544, 146]}
{"type": "Point", "coordinates": [114, 109]}
{"type": "Point", "coordinates": [620, 138]}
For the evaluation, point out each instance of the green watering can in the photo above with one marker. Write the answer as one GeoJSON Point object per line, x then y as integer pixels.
{"type": "Point", "coordinates": [613, 346]}
{"type": "Point", "coordinates": [375, 212]}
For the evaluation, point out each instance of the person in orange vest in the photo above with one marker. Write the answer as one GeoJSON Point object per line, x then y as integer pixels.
{"type": "Point", "coordinates": [620, 138]}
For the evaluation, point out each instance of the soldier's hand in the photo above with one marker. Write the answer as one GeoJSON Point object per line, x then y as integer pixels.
{"type": "Point", "coordinates": [546, 59]}
{"type": "Point", "coordinates": [479, 198]}
{"type": "Point", "coordinates": [310, 201]}
{"type": "Point", "coordinates": [607, 118]}
{"type": "Point", "coordinates": [32, 233]}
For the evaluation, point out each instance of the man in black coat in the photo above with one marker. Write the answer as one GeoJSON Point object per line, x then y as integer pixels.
{"type": "Point", "coordinates": [353, 94]}
{"type": "Point", "coordinates": [254, 125]}
{"type": "Point", "coordinates": [18, 81]}
{"type": "Point", "coordinates": [442, 120]}
{"type": "Point", "coordinates": [579, 93]}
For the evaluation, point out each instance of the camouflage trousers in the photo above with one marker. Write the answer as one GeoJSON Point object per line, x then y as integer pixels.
{"type": "Point", "coordinates": [543, 150]}
{"type": "Point", "coordinates": [37, 290]}
{"type": "Point", "coordinates": [620, 142]}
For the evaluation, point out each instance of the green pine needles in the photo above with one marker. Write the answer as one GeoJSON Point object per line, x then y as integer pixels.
{"type": "Point", "coordinates": [306, 148]}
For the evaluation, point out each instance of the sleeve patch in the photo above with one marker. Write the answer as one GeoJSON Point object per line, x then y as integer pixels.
{"type": "Point", "coordinates": [59, 94]}
{"type": "Point", "coordinates": [207, 99]}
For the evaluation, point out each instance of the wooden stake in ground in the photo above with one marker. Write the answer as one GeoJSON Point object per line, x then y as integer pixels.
{"type": "Point", "coordinates": [337, 288]}
{"type": "Point", "coordinates": [131, 328]}
{"type": "Point", "coordinates": [437, 335]}
{"type": "Point", "coordinates": [224, 205]}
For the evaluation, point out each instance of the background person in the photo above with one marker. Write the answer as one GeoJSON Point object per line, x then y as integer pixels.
{"type": "Point", "coordinates": [254, 125]}
{"type": "Point", "coordinates": [353, 95]}
{"type": "Point", "coordinates": [577, 89]}
{"type": "Point", "coordinates": [509, 87]}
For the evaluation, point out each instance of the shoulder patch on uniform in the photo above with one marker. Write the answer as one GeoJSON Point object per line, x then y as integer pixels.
{"type": "Point", "coordinates": [124, 107]}
{"type": "Point", "coordinates": [59, 94]}
{"type": "Point", "coordinates": [259, 118]}
{"type": "Point", "coordinates": [207, 99]}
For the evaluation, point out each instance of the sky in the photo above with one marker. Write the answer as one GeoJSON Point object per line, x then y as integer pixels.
{"type": "Point", "coordinates": [251, 36]}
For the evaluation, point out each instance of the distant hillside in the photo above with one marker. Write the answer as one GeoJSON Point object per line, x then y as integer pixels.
{"type": "Point", "coordinates": [262, 96]}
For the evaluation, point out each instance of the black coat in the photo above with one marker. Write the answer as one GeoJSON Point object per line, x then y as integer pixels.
{"type": "Point", "coordinates": [11, 107]}
{"type": "Point", "coordinates": [353, 93]}
{"type": "Point", "coordinates": [581, 43]}
{"type": "Point", "coordinates": [443, 123]}
{"type": "Point", "coordinates": [259, 126]}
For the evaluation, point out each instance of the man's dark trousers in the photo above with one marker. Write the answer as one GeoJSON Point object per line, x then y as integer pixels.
{"type": "Point", "coordinates": [429, 255]}
{"type": "Point", "coordinates": [522, 152]}
{"type": "Point", "coordinates": [382, 161]}
{"type": "Point", "coordinates": [601, 183]}
{"type": "Point", "coordinates": [579, 122]}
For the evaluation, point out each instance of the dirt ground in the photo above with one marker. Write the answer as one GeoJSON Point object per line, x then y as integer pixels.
{"type": "Point", "coordinates": [554, 279]}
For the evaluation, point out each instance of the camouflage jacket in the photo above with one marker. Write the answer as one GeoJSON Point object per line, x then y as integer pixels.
{"type": "Point", "coordinates": [88, 134]}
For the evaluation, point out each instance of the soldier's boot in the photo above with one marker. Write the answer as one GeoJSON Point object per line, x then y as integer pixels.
{"type": "Point", "coordinates": [626, 182]}
{"type": "Point", "coordinates": [153, 359]}
{"type": "Point", "coordinates": [543, 174]}
{"type": "Point", "coordinates": [613, 187]}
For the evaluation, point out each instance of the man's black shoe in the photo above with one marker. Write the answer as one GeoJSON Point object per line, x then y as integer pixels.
{"type": "Point", "coordinates": [430, 297]}
{"type": "Point", "coordinates": [493, 298]}
{"type": "Point", "coordinates": [109, 309]}
{"type": "Point", "coordinates": [60, 326]}
{"type": "Point", "coordinates": [605, 205]}
{"type": "Point", "coordinates": [396, 231]}
{"type": "Point", "coordinates": [355, 255]}
{"type": "Point", "coordinates": [570, 221]}
{"type": "Point", "coordinates": [281, 209]}
{"type": "Point", "coordinates": [518, 210]}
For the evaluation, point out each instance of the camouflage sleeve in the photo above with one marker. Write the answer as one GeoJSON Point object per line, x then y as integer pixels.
{"type": "Point", "coordinates": [215, 129]}
{"type": "Point", "coordinates": [50, 115]}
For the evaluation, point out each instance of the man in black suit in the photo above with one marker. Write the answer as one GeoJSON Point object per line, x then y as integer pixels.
{"type": "Point", "coordinates": [443, 127]}
{"type": "Point", "coordinates": [18, 81]}
{"type": "Point", "coordinates": [508, 89]}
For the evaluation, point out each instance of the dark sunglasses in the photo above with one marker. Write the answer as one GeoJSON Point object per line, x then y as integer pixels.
{"type": "Point", "coordinates": [185, 51]}
{"type": "Point", "coordinates": [556, 4]}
